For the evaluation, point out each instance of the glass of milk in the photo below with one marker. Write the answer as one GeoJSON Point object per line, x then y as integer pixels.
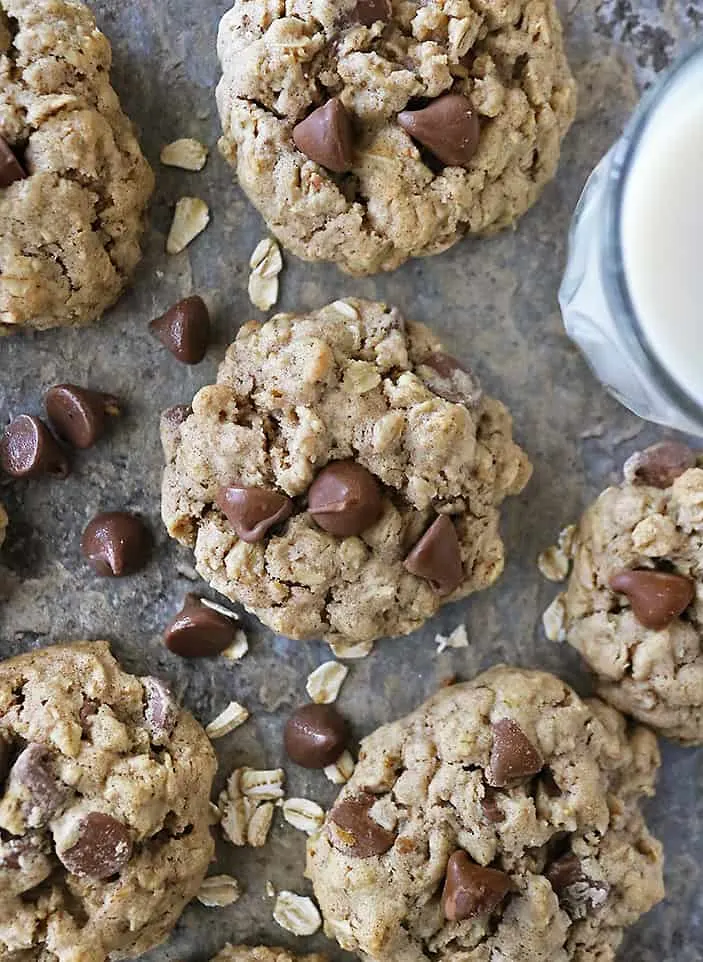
{"type": "Point", "coordinates": [632, 294]}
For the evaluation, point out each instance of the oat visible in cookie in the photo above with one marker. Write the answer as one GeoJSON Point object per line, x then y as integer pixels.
{"type": "Point", "coordinates": [420, 858]}
{"type": "Point", "coordinates": [370, 132]}
{"type": "Point", "coordinates": [326, 485]}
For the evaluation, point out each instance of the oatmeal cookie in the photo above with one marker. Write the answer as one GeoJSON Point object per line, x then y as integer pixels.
{"type": "Point", "coordinates": [633, 606]}
{"type": "Point", "coordinates": [370, 131]}
{"type": "Point", "coordinates": [500, 820]}
{"type": "Point", "coordinates": [104, 819]}
{"type": "Point", "coordinates": [343, 478]}
{"type": "Point", "coordinates": [74, 185]}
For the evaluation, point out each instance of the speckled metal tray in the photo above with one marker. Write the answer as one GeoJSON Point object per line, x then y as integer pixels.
{"type": "Point", "coordinates": [494, 302]}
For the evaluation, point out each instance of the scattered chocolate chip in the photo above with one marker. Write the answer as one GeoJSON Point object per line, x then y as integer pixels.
{"type": "Point", "coordinates": [28, 449]}
{"type": "Point", "coordinates": [659, 465]}
{"type": "Point", "coordinates": [345, 499]}
{"type": "Point", "coordinates": [315, 736]}
{"type": "Point", "coordinates": [161, 709]}
{"type": "Point", "coordinates": [449, 379]}
{"type": "Point", "coordinates": [656, 597]}
{"type": "Point", "coordinates": [437, 557]}
{"type": "Point", "coordinates": [513, 756]}
{"type": "Point", "coordinates": [116, 543]}
{"type": "Point", "coordinates": [369, 12]}
{"type": "Point", "coordinates": [471, 889]}
{"type": "Point", "coordinates": [252, 511]}
{"type": "Point", "coordinates": [185, 329]}
{"type": "Point", "coordinates": [491, 809]}
{"type": "Point", "coordinates": [352, 829]}
{"type": "Point", "coordinates": [326, 136]}
{"type": "Point", "coordinates": [79, 415]}
{"type": "Point", "coordinates": [103, 848]}
{"type": "Point", "coordinates": [10, 168]}
{"type": "Point", "coordinates": [448, 127]}
{"type": "Point", "coordinates": [33, 777]}
{"type": "Point", "coordinates": [563, 872]}
{"type": "Point", "coordinates": [199, 631]}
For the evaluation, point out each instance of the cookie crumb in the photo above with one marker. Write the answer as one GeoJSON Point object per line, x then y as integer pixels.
{"type": "Point", "coordinates": [457, 639]}
{"type": "Point", "coordinates": [186, 153]}
{"type": "Point", "coordinates": [190, 218]}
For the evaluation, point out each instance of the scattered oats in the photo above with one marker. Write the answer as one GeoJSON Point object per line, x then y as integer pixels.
{"type": "Point", "coordinates": [238, 648]}
{"type": "Point", "coordinates": [186, 153]}
{"type": "Point", "coordinates": [215, 814]}
{"type": "Point", "coordinates": [554, 619]}
{"type": "Point", "coordinates": [190, 218]}
{"type": "Point", "coordinates": [218, 891]}
{"type": "Point", "coordinates": [341, 770]}
{"type": "Point", "coordinates": [296, 913]}
{"type": "Point", "coordinates": [220, 609]}
{"type": "Point", "coordinates": [324, 683]}
{"type": "Point", "coordinates": [259, 825]}
{"type": "Point", "coordinates": [187, 571]}
{"type": "Point", "coordinates": [232, 717]}
{"type": "Point", "coordinates": [262, 785]}
{"type": "Point", "coordinates": [360, 377]}
{"type": "Point", "coordinates": [344, 650]}
{"type": "Point", "coordinates": [269, 889]}
{"type": "Point", "coordinates": [303, 814]}
{"type": "Point", "coordinates": [346, 310]}
{"type": "Point", "coordinates": [236, 814]}
{"type": "Point", "coordinates": [266, 264]}
{"type": "Point", "coordinates": [457, 639]}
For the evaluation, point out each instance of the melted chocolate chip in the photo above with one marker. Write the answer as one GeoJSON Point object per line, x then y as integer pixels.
{"type": "Point", "coordinates": [103, 848]}
{"type": "Point", "coordinates": [369, 12]}
{"type": "Point", "coordinates": [437, 557]}
{"type": "Point", "coordinates": [449, 128]}
{"type": "Point", "coordinates": [161, 710]}
{"type": "Point", "coordinates": [326, 136]}
{"type": "Point", "coordinates": [185, 329]}
{"type": "Point", "coordinates": [252, 511]}
{"type": "Point", "coordinates": [43, 794]}
{"type": "Point", "coordinates": [353, 830]}
{"type": "Point", "coordinates": [28, 449]}
{"type": "Point", "coordinates": [199, 631]}
{"type": "Point", "coordinates": [491, 809]}
{"type": "Point", "coordinates": [657, 597]}
{"type": "Point", "coordinates": [116, 543]}
{"type": "Point", "coordinates": [448, 378]}
{"type": "Point", "coordinates": [513, 756]}
{"type": "Point", "coordinates": [10, 167]}
{"type": "Point", "coordinates": [79, 415]}
{"type": "Point", "coordinates": [345, 499]}
{"type": "Point", "coordinates": [315, 736]}
{"type": "Point", "coordinates": [471, 890]}
{"type": "Point", "coordinates": [659, 465]}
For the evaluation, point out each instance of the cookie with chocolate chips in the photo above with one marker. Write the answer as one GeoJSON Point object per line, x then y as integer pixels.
{"type": "Point", "coordinates": [343, 477]}
{"type": "Point", "coordinates": [74, 185]}
{"type": "Point", "coordinates": [633, 605]}
{"type": "Point", "coordinates": [104, 807]}
{"type": "Point", "coordinates": [500, 820]}
{"type": "Point", "coordinates": [367, 132]}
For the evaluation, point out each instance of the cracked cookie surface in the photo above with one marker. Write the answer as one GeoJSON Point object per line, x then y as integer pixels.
{"type": "Point", "coordinates": [648, 659]}
{"type": "Point", "coordinates": [104, 819]}
{"type": "Point", "coordinates": [262, 953]}
{"type": "Point", "coordinates": [350, 382]}
{"type": "Point", "coordinates": [282, 59]}
{"type": "Point", "coordinates": [500, 820]}
{"type": "Point", "coordinates": [70, 229]}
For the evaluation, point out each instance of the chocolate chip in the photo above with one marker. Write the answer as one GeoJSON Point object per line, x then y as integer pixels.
{"type": "Point", "coordinates": [577, 893]}
{"type": "Point", "coordinates": [470, 889]}
{"type": "Point", "coordinates": [5, 755]}
{"type": "Point", "coordinates": [252, 511]}
{"type": "Point", "coordinates": [550, 784]}
{"type": "Point", "coordinates": [199, 631]}
{"type": "Point", "coordinates": [491, 809]}
{"type": "Point", "coordinates": [88, 710]}
{"type": "Point", "coordinates": [448, 127]}
{"type": "Point", "coordinates": [116, 543]}
{"type": "Point", "coordinates": [79, 415]}
{"type": "Point", "coordinates": [368, 12]}
{"type": "Point", "coordinates": [513, 756]}
{"type": "Point", "coordinates": [659, 465]}
{"type": "Point", "coordinates": [449, 379]}
{"type": "Point", "coordinates": [10, 168]}
{"type": "Point", "coordinates": [345, 499]}
{"type": "Point", "coordinates": [185, 329]}
{"type": "Point", "coordinates": [315, 736]}
{"type": "Point", "coordinates": [437, 557]}
{"type": "Point", "coordinates": [32, 776]}
{"type": "Point", "coordinates": [28, 449]}
{"type": "Point", "coordinates": [103, 848]}
{"type": "Point", "coordinates": [351, 828]}
{"type": "Point", "coordinates": [563, 872]}
{"type": "Point", "coordinates": [326, 136]}
{"type": "Point", "coordinates": [161, 709]}
{"type": "Point", "coordinates": [656, 597]}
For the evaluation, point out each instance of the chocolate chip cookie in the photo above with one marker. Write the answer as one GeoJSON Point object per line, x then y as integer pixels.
{"type": "Point", "coordinates": [74, 185]}
{"type": "Point", "coordinates": [104, 793]}
{"type": "Point", "coordinates": [262, 953]}
{"type": "Point", "coordinates": [500, 820]}
{"type": "Point", "coordinates": [343, 477]}
{"type": "Point", "coordinates": [633, 606]}
{"type": "Point", "coordinates": [370, 132]}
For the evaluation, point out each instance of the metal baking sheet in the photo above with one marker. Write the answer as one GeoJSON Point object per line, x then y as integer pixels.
{"type": "Point", "coordinates": [493, 301]}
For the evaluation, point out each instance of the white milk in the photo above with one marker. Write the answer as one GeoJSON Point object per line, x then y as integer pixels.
{"type": "Point", "coordinates": [662, 231]}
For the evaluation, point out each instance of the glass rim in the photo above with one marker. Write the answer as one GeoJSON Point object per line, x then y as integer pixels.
{"type": "Point", "coordinates": [612, 258]}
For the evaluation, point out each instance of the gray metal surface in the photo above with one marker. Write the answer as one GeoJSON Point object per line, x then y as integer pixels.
{"type": "Point", "coordinates": [494, 301]}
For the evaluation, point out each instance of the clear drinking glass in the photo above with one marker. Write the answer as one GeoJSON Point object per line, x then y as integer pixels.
{"type": "Point", "coordinates": [595, 302]}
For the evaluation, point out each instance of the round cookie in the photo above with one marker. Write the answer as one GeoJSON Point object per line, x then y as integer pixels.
{"type": "Point", "coordinates": [500, 820]}
{"type": "Point", "coordinates": [342, 479]}
{"type": "Point", "coordinates": [262, 953]}
{"type": "Point", "coordinates": [319, 107]}
{"type": "Point", "coordinates": [633, 606]}
{"type": "Point", "coordinates": [104, 795]}
{"type": "Point", "coordinates": [74, 185]}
